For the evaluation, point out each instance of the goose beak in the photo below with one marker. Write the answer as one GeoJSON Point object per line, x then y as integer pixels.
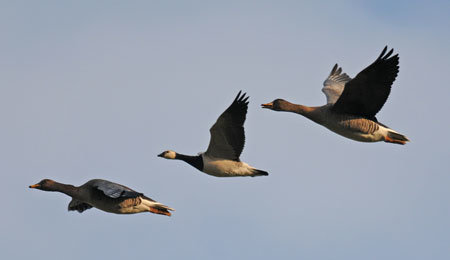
{"type": "Point", "coordinates": [268, 105]}
{"type": "Point", "coordinates": [161, 154]}
{"type": "Point", "coordinates": [35, 186]}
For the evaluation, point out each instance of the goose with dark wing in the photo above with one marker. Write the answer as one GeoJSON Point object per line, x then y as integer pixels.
{"type": "Point", "coordinates": [221, 159]}
{"type": "Point", "coordinates": [104, 195]}
{"type": "Point", "coordinates": [353, 103]}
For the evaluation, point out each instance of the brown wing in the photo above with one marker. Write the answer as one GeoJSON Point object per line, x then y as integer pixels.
{"type": "Point", "coordinates": [366, 94]}
{"type": "Point", "coordinates": [227, 134]}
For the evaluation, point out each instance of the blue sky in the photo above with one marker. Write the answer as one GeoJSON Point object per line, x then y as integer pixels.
{"type": "Point", "coordinates": [98, 89]}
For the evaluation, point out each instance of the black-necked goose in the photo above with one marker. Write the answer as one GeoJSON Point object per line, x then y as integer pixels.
{"type": "Point", "coordinates": [105, 195]}
{"type": "Point", "coordinates": [221, 159]}
{"type": "Point", "coordinates": [353, 103]}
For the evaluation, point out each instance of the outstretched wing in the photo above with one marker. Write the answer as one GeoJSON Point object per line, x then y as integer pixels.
{"type": "Point", "coordinates": [227, 134]}
{"type": "Point", "coordinates": [366, 94]}
{"type": "Point", "coordinates": [114, 190]}
{"type": "Point", "coordinates": [78, 206]}
{"type": "Point", "coordinates": [334, 84]}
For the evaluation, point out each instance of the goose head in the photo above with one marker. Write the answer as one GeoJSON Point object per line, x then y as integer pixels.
{"type": "Point", "coordinates": [277, 105]}
{"type": "Point", "coordinates": [168, 154]}
{"type": "Point", "coordinates": [45, 184]}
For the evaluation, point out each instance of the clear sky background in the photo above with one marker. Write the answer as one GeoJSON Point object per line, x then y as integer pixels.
{"type": "Point", "coordinates": [96, 89]}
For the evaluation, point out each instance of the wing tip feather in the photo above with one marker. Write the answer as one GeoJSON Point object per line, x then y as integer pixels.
{"type": "Point", "coordinates": [333, 70]}
{"type": "Point", "coordinates": [241, 98]}
{"type": "Point", "coordinates": [385, 56]}
{"type": "Point", "coordinates": [382, 52]}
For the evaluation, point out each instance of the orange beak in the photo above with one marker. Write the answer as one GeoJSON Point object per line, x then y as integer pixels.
{"type": "Point", "coordinates": [35, 186]}
{"type": "Point", "coordinates": [268, 105]}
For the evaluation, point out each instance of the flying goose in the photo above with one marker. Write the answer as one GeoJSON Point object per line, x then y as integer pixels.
{"type": "Point", "coordinates": [221, 159]}
{"type": "Point", "coordinates": [104, 195]}
{"type": "Point", "coordinates": [353, 103]}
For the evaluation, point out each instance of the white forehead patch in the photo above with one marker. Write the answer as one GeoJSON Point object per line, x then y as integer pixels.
{"type": "Point", "coordinates": [169, 154]}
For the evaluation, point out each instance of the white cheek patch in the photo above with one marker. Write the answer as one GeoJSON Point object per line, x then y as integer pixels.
{"type": "Point", "coordinates": [170, 155]}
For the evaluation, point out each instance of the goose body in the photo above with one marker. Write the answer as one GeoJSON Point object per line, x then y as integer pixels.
{"type": "Point", "coordinates": [226, 168]}
{"type": "Point", "coordinates": [353, 103]}
{"type": "Point", "coordinates": [221, 159]}
{"type": "Point", "coordinates": [104, 195]}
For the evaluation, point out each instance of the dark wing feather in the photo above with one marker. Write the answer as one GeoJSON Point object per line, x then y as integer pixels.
{"type": "Point", "coordinates": [227, 134]}
{"type": "Point", "coordinates": [78, 206]}
{"type": "Point", "coordinates": [114, 190]}
{"type": "Point", "coordinates": [366, 94]}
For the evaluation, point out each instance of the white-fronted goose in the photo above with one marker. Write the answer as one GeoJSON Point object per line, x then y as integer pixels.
{"type": "Point", "coordinates": [353, 103]}
{"type": "Point", "coordinates": [104, 195]}
{"type": "Point", "coordinates": [221, 159]}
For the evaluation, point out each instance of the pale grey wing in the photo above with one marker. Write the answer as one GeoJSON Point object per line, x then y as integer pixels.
{"type": "Point", "coordinates": [114, 190]}
{"type": "Point", "coordinates": [335, 84]}
{"type": "Point", "coordinates": [78, 206]}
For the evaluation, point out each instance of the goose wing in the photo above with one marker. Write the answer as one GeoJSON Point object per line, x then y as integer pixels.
{"type": "Point", "coordinates": [366, 94]}
{"type": "Point", "coordinates": [227, 134]}
{"type": "Point", "coordinates": [78, 205]}
{"type": "Point", "coordinates": [114, 190]}
{"type": "Point", "coordinates": [334, 84]}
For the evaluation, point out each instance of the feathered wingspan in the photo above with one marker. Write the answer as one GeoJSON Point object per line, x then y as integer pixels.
{"type": "Point", "coordinates": [366, 94]}
{"type": "Point", "coordinates": [227, 134]}
{"type": "Point", "coordinates": [114, 190]}
{"type": "Point", "coordinates": [78, 206]}
{"type": "Point", "coordinates": [334, 84]}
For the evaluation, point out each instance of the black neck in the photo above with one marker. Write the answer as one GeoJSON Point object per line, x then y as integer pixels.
{"type": "Point", "coordinates": [195, 161]}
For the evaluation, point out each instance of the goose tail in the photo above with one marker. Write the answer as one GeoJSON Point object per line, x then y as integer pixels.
{"type": "Point", "coordinates": [160, 209]}
{"type": "Point", "coordinates": [396, 138]}
{"type": "Point", "coordinates": [257, 172]}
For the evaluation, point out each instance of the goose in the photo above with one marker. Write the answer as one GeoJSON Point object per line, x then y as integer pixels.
{"type": "Point", "coordinates": [353, 103]}
{"type": "Point", "coordinates": [104, 195]}
{"type": "Point", "coordinates": [221, 159]}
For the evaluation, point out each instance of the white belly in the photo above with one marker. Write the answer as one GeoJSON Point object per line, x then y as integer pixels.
{"type": "Point", "coordinates": [225, 168]}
